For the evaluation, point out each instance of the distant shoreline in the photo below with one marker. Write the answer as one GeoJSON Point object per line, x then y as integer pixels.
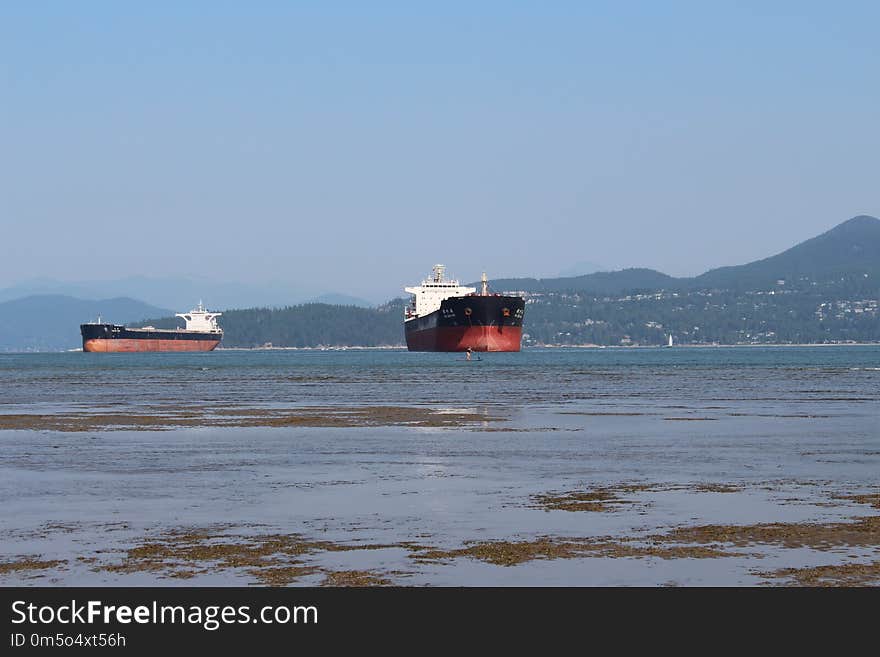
{"type": "Point", "coordinates": [348, 348]}
{"type": "Point", "coordinates": [704, 346]}
{"type": "Point", "coordinates": [525, 348]}
{"type": "Point", "coordinates": [574, 346]}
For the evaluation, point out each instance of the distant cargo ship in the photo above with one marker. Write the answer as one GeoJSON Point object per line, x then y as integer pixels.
{"type": "Point", "coordinates": [446, 316]}
{"type": "Point", "coordinates": [201, 334]}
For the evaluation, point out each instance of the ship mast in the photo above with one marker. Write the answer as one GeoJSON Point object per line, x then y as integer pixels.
{"type": "Point", "coordinates": [485, 281]}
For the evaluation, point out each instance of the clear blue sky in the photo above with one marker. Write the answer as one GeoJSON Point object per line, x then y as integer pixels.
{"type": "Point", "coordinates": [352, 145]}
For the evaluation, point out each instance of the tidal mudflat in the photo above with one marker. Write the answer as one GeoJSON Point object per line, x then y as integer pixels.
{"type": "Point", "coordinates": [558, 467]}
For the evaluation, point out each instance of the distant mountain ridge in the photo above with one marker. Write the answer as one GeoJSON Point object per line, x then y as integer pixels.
{"type": "Point", "coordinates": [851, 249]}
{"type": "Point", "coordinates": [333, 299]}
{"type": "Point", "coordinates": [51, 322]}
{"type": "Point", "coordinates": [582, 268]}
{"type": "Point", "coordinates": [180, 293]}
{"type": "Point", "coordinates": [603, 282]}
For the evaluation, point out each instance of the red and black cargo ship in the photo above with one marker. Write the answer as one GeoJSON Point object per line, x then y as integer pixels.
{"type": "Point", "coordinates": [445, 316]}
{"type": "Point", "coordinates": [201, 334]}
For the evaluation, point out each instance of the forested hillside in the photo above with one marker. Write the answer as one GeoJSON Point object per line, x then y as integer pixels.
{"type": "Point", "coordinates": [308, 325]}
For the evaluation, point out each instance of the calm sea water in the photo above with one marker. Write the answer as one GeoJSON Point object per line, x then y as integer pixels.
{"type": "Point", "coordinates": [792, 426]}
{"type": "Point", "coordinates": [756, 375]}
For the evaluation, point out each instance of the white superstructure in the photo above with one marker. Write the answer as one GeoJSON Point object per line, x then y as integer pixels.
{"type": "Point", "coordinates": [428, 296]}
{"type": "Point", "coordinates": [199, 319]}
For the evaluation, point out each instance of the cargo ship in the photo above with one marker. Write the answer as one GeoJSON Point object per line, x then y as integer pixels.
{"type": "Point", "coordinates": [446, 316]}
{"type": "Point", "coordinates": [202, 333]}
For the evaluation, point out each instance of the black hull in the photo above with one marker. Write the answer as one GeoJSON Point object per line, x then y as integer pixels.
{"type": "Point", "coordinates": [116, 338]}
{"type": "Point", "coordinates": [480, 323]}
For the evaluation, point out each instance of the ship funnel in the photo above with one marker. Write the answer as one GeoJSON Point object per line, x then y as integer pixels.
{"type": "Point", "coordinates": [485, 282]}
{"type": "Point", "coordinates": [438, 273]}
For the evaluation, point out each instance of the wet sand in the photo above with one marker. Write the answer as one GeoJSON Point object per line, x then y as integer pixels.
{"type": "Point", "coordinates": [428, 505]}
{"type": "Point", "coordinates": [171, 416]}
{"type": "Point", "coordinates": [590, 476]}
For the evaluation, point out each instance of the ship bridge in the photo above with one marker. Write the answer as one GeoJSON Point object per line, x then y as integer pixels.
{"type": "Point", "coordinates": [199, 319]}
{"type": "Point", "coordinates": [428, 296]}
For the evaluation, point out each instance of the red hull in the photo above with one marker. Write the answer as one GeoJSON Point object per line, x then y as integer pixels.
{"type": "Point", "coordinates": [459, 338]}
{"type": "Point", "coordinates": [127, 346]}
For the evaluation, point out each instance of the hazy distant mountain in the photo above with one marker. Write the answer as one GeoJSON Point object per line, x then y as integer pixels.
{"type": "Point", "coordinates": [179, 293]}
{"type": "Point", "coordinates": [334, 299]}
{"type": "Point", "coordinates": [51, 322]}
{"type": "Point", "coordinates": [582, 268]}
